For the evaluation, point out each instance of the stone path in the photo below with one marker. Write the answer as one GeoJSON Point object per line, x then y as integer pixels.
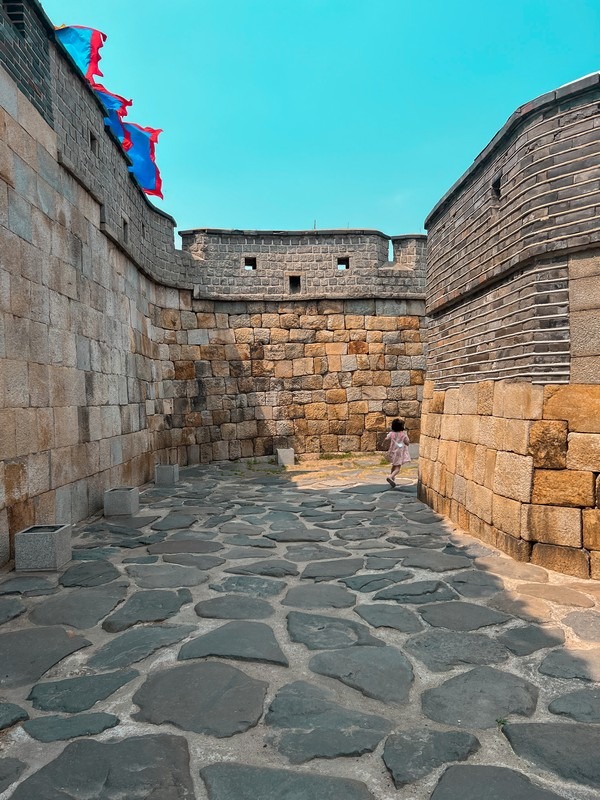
{"type": "Point", "coordinates": [307, 634]}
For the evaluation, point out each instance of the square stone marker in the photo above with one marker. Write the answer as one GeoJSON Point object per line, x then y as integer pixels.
{"type": "Point", "coordinates": [166, 474]}
{"type": "Point", "coordinates": [121, 501]}
{"type": "Point", "coordinates": [285, 457]}
{"type": "Point", "coordinates": [42, 548]}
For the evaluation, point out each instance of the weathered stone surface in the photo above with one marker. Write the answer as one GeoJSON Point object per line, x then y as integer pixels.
{"type": "Point", "coordinates": [563, 488]}
{"type": "Point", "coordinates": [165, 576]}
{"type": "Point", "coordinates": [141, 560]}
{"type": "Point", "coordinates": [382, 673]}
{"type": "Point", "coordinates": [444, 650]}
{"type": "Point", "coordinates": [328, 633]}
{"type": "Point", "coordinates": [581, 706]}
{"type": "Point", "coordinates": [238, 553]}
{"type": "Point", "coordinates": [140, 767]}
{"type": "Point", "coordinates": [586, 624]}
{"type": "Point", "coordinates": [298, 535]}
{"type": "Point", "coordinates": [568, 560]}
{"type": "Point", "coordinates": [54, 729]}
{"type": "Point", "coordinates": [151, 605]}
{"type": "Point", "coordinates": [245, 641]}
{"type": "Point", "coordinates": [548, 444]}
{"type": "Point", "coordinates": [10, 770]}
{"type": "Point", "coordinates": [525, 640]}
{"type": "Point", "coordinates": [242, 527]}
{"type": "Point", "coordinates": [375, 562]}
{"type": "Point", "coordinates": [518, 605]}
{"type": "Point", "coordinates": [173, 521]}
{"type": "Point", "coordinates": [436, 562]}
{"type": "Point", "coordinates": [492, 783]}
{"type": "Point", "coordinates": [556, 594]}
{"type": "Point", "coordinates": [318, 596]}
{"type": "Point", "coordinates": [322, 728]}
{"type": "Point", "coordinates": [81, 608]}
{"type": "Point", "coordinates": [184, 546]}
{"type": "Point", "coordinates": [137, 644]}
{"type": "Point", "coordinates": [329, 570]}
{"type": "Point", "coordinates": [230, 781]}
{"type": "Point", "coordinates": [26, 655]}
{"type": "Point", "coordinates": [412, 754]}
{"type": "Point", "coordinates": [375, 582]}
{"type": "Point", "coordinates": [78, 694]}
{"type": "Point", "coordinates": [477, 699]}
{"type": "Point", "coordinates": [582, 664]}
{"type": "Point", "coordinates": [475, 583]}
{"type": "Point", "coordinates": [417, 592]}
{"type": "Point", "coordinates": [193, 560]}
{"type": "Point", "coordinates": [390, 616]}
{"type": "Point", "coordinates": [242, 540]}
{"type": "Point", "coordinates": [27, 585]}
{"type": "Point", "coordinates": [10, 608]}
{"type": "Point", "coordinates": [209, 697]}
{"type": "Point", "coordinates": [258, 587]}
{"type": "Point", "coordinates": [569, 750]}
{"type": "Point", "coordinates": [276, 568]}
{"type": "Point", "coordinates": [10, 714]}
{"type": "Point", "coordinates": [461, 616]}
{"type": "Point", "coordinates": [583, 452]}
{"type": "Point", "coordinates": [234, 606]}
{"type": "Point", "coordinates": [312, 552]}
{"type": "Point", "coordinates": [89, 573]}
{"type": "Point", "coordinates": [359, 534]}
{"type": "Point", "coordinates": [511, 569]}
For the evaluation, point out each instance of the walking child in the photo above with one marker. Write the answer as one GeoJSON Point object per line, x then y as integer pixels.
{"type": "Point", "coordinates": [397, 453]}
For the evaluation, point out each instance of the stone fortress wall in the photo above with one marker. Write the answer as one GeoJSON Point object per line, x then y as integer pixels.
{"type": "Point", "coordinates": [118, 351]}
{"type": "Point", "coordinates": [510, 449]}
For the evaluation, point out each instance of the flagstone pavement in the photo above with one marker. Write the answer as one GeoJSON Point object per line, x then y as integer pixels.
{"type": "Point", "coordinates": [299, 634]}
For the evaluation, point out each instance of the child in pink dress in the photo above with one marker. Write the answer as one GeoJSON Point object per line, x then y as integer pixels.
{"type": "Point", "coordinates": [397, 453]}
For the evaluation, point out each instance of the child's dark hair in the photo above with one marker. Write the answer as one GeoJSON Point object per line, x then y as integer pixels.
{"type": "Point", "coordinates": [397, 425]}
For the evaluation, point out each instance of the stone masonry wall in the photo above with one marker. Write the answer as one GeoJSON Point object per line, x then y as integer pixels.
{"type": "Point", "coordinates": [510, 448]}
{"type": "Point", "coordinates": [311, 257]}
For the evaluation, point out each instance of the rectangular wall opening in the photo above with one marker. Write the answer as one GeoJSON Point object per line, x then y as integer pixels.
{"type": "Point", "coordinates": [295, 284]}
{"type": "Point", "coordinates": [343, 263]}
{"type": "Point", "coordinates": [250, 262]}
{"type": "Point", "coordinates": [15, 13]}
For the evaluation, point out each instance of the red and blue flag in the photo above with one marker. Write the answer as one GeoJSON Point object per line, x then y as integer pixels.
{"type": "Point", "coordinates": [141, 153]}
{"type": "Point", "coordinates": [116, 108]}
{"type": "Point", "coordinates": [83, 45]}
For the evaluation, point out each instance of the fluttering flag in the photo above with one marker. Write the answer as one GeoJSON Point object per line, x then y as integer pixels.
{"type": "Point", "coordinates": [141, 153]}
{"type": "Point", "coordinates": [83, 45]}
{"type": "Point", "coordinates": [116, 108]}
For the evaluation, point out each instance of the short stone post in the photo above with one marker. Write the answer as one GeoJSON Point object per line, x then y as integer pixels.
{"type": "Point", "coordinates": [121, 501]}
{"type": "Point", "coordinates": [166, 474]}
{"type": "Point", "coordinates": [42, 548]}
{"type": "Point", "coordinates": [285, 457]}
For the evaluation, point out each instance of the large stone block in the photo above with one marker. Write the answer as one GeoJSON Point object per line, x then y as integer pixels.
{"type": "Point", "coordinates": [506, 515]}
{"type": "Point", "coordinates": [548, 443]}
{"type": "Point", "coordinates": [567, 560]}
{"type": "Point", "coordinates": [518, 400]}
{"type": "Point", "coordinates": [579, 404]}
{"type": "Point", "coordinates": [42, 547]}
{"type": "Point", "coordinates": [479, 501]}
{"type": "Point", "coordinates": [565, 487]}
{"type": "Point", "coordinates": [591, 528]}
{"type": "Point", "coordinates": [513, 476]}
{"type": "Point", "coordinates": [485, 398]}
{"type": "Point", "coordinates": [552, 525]}
{"type": "Point", "coordinates": [583, 451]}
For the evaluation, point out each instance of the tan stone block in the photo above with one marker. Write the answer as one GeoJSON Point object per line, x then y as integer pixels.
{"type": "Point", "coordinates": [513, 476]}
{"type": "Point", "coordinates": [283, 369]}
{"type": "Point", "coordinates": [567, 560]}
{"type": "Point", "coordinates": [563, 488]}
{"type": "Point", "coordinates": [244, 335]}
{"type": "Point", "coordinates": [349, 444]}
{"type": "Point", "coordinates": [506, 515]}
{"type": "Point", "coordinates": [548, 444]}
{"type": "Point", "coordinates": [518, 549]}
{"type": "Point", "coordinates": [552, 525]}
{"type": "Point", "coordinates": [374, 337]}
{"type": "Point", "coordinates": [355, 424]}
{"type": "Point", "coordinates": [381, 323]}
{"type": "Point", "coordinates": [354, 321]}
{"type": "Point", "coordinates": [451, 402]}
{"type": "Point", "coordinates": [460, 490]}
{"type": "Point", "coordinates": [338, 410]}
{"type": "Point", "coordinates": [583, 451]}
{"type": "Point", "coordinates": [584, 264]}
{"type": "Point", "coordinates": [437, 402]}
{"type": "Point", "coordinates": [336, 322]}
{"type": "Point", "coordinates": [519, 400]}
{"type": "Point", "coordinates": [336, 348]}
{"type": "Point", "coordinates": [320, 366]}
{"type": "Point", "coordinates": [329, 443]}
{"type": "Point", "coordinates": [417, 377]}
{"type": "Point", "coordinates": [170, 318]}
{"type": "Point", "coordinates": [26, 431]}
{"type": "Point", "coordinates": [45, 427]}
{"type": "Point", "coordinates": [479, 501]}
{"type": "Point", "coordinates": [491, 432]}
{"type": "Point", "coordinates": [316, 411]}
{"type": "Point", "coordinates": [595, 566]}
{"type": "Point", "coordinates": [578, 404]}
{"type": "Point", "coordinates": [315, 350]}
{"type": "Point", "coordinates": [336, 396]}
{"type": "Point", "coordinates": [358, 407]}
{"type": "Point", "coordinates": [355, 347]}
{"type": "Point", "coordinates": [314, 322]}
{"type": "Point", "coordinates": [335, 363]}
{"type": "Point", "coordinates": [467, 398]}
{"type": "Point", "coordinates": [468, 428]}
{"type": "Point", "coordinates": [374, 393]}
{"type": "Point", "coordinates": [338, 336]}
{"type": "Point", "coordinates": [598, 491]}
{"type": "Point", "coordinates": [279, 335]}
{"type": "Point", "coordinates": [66, 426]}
{"type": "Point", "coordinates": [317, 427]}
{"type": "Point", "coordinates": [303, 366]}
{"type": "Point", "coordinates": [485, 397]}
{"type": "Point", "coordinates": [375, 422]}
{"type": "Point", "coordinates": [450, 427]}
{"type": "Point", "coordinates": [591, 528]}
{"type": "Point", "coordinates": [490, 468]}
{"type": "Point", "coordinates": [15, 481]}
{"type": "Point", "coordinates": [516, 436]}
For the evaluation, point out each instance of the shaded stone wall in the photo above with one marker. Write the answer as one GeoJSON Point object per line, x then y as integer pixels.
{"type": "Point", "coordinates": [510, 440]}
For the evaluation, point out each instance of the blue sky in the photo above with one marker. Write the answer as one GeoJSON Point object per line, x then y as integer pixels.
{"type": "Point", "coordinates": [353, 113]}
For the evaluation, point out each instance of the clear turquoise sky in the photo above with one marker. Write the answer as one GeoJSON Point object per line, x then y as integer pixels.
{"type": "Point", "coordinates": [353, 113]}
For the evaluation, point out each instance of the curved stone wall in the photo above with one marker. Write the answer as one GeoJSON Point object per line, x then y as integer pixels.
{"type": "Point", "coordinates": [510, 440]}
